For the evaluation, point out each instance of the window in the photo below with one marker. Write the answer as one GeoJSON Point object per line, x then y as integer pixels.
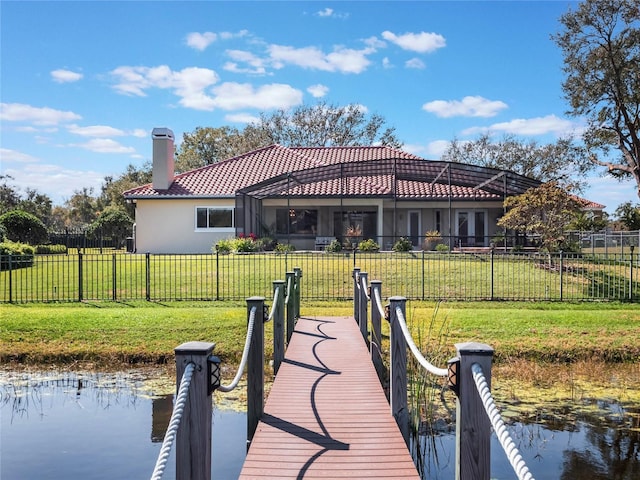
{"type": "Point", "coordinates": [296, 221]}
{"type": "Point", "coordinates": [214, 217]}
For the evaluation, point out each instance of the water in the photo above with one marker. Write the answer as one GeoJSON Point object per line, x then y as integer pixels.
{"type": "Point", "coordinates": [87, 426]}
{"type": "Point", "coordinates": [98, 426]}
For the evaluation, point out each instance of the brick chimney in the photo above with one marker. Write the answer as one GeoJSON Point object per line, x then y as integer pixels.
{"type": "Point", "coordinates": [163, 152]}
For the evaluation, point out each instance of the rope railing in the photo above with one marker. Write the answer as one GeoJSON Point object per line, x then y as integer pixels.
{"type": "Point", "coordinates": [174, 423]}
{"type": "Point", "coordinates": [272, 313]}
{"type": "Point", "coordinates": [440, 372]}
{"type": "Point", "coordinates": [245, 355]}
{"type": "Point", "coordinates": [378, 302]}
{"type": "Point", "coordinates": [509, 447]}
{"type": "Point", "coordinates": [365, 287]}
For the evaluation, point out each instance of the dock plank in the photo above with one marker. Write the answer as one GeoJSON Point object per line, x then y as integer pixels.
{"type": "Point", "coordinates": [327, 415]}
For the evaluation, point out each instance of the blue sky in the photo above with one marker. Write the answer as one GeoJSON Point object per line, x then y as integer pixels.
{"type": "Point", "coordinates": [84, 83]}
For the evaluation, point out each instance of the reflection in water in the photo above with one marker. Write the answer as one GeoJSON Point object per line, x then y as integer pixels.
{"type": "Point", "coordinates": [93, 426]}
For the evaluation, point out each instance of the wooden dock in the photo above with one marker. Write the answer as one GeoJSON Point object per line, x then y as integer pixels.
{"type": "Point", "coordinates": [327, 415]}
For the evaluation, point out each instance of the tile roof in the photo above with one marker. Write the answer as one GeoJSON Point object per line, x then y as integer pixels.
{"type": "Point", "coordinates": [225, 178]}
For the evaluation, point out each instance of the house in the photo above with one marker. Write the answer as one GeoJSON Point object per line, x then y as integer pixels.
{"type": "Point", "coordinates": [307, 196]}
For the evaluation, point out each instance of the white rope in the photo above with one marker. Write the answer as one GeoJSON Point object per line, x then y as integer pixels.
{"type": "Point", "coordinates": [174, 423]}
{"type": "Point", "coordinates": [276, 294]}
{"type": "Point", "coordinates": [358, 280]}
{"type": "Point", "coordinates": [440, 372]}
{"type": "Point", "coordinates": [245, 354]}
{"type": "Point", "coordinates": [365, 286]}
{"type": "Point", "coordinates": [378, 302]}
{"type": "Point", "coordinates": [286, 300]}
{"type": "Point", "coordinates": [513, 454]}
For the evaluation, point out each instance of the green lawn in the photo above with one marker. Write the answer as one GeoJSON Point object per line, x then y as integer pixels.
{"type": "Point", "coordinates": [110, 333]}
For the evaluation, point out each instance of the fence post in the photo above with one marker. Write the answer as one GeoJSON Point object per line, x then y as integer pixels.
{"type": "Point", "coordinates": [278, 325]}
{"type": "Point", "coordinates": [398, 365]}
{"type": "Point", "coordinates": [356, 295]}
{"type": "Point", "coordinates": [561, 274]}
{"type": "Point", "coordinates": [291, 314]}
{"type": "Point", "coordinates": [376, 331]}
{"type": "Point", "coordinates": [363, 312]}
{"type": "Point", "coordinates": [10, 278]}
{"type": "Point", "coordinates": [632, 248]}
{"type": "Point", "coordinates": [492, 257]}
{"type": "Point", "coordinates": [217, 274]}
{"type": "Point", "coordinates": [147, 276]}
{"type": "Point", "coordinates": [298, 283]}
{"type": "Point", "coordinates": [193, 440]}
{"type": "Point", "coordinates": [80, 281]}
{"type": "Point", "coordinates": [114, 276]}
{"type": "Point", "coordinates": [255, 368]}
{"type": "Point", "coordinates": [473, 427]}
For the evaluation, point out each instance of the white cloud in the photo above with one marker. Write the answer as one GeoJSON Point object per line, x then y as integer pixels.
{"type": "Point", "coordinates": [327, 12]}
{"type": "Point", "coordinates": [241, 118]}
{"type": "Point", "coordinates": [104, 145]}
{"type": "Point", "coordinates": [65, 76]}
{"type": "Point", "coordinates": [386, 63]}
{"type": "Point", "coordinates": [139, 133]}
{"type": "Point", "coordinates": [415, 63]}
{"type": "Point", "coordinates": [422, 42]}
{"type": "Point", "coordinates": [528, 126]}
{"type": "Point", "coordinates": [19, 112]}
{"type": "Point", "coordinates": [318, 91]}
{"type": "Point", "coordinates": [200, 41]}
{"type": "Point", "coordinates": [470, 106]}
{"type": "Point", "coordinates": [189, 83]}
{"type": "Point", "coordinates": [342, 59]}
{"type": "Point", "coordinates": [96, 131]}
{"type": "Point", "coordinates": [256, 64]}
{"type": "Point", "coordinates": [8, 155]}
{"type": "Point", "coordinates": [436, 148]}
{"type": "Point", "coordinates": [235, 96]}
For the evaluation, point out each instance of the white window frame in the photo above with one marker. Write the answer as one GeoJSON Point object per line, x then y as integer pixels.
{"type": "Point", "coordinates": [230, 229]}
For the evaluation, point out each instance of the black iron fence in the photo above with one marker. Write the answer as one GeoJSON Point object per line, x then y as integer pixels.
{"type": "Point", "coordinates": [416, 275]}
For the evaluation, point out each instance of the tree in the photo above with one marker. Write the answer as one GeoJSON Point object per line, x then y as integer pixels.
{"type": "Point", "coordinates": [82, 208]}
{"type": "Point", "coordinates": [628, 215]}
{"type": "Point", "coordinates": [601, 47]}
{"type": "Point", "coordinates": [113, 222]}
{"type": "Point", "coordinates": [24, 227]}
{"type": "Point", "coordinates": [112, 188]}
{"type": "Point", "coordinates": [561, 162]}
{"type": "Point", "coordinates": [545, 211]}
{"type": "Point", "coordinates": [9, 197]}
{"type": "Point", "coordinates": [320, 125]}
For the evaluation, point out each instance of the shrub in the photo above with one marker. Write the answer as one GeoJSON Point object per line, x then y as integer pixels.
{"type": "Point", "coordinates": [284, 247]}
{"type": "Point", "coordinates": [441, 247]}
{"type": "Point", "coordinates": [113, 222]}
{"type": "Point", "coordinates": [368, 245]}
{"type": "Point", "coordinates": [51, 249]}
{"type": "Point", "coordinates": [402, 245]}
{"type": "Point", "coordinates": [334, 246]}
{"type": "Point", "coordinates": [23, 227]}
{"type": "Point", "coordinates": [21, 255]}
{"type": "Point", "coordinates": [431, 239]}
{"type": "Point", "coordinates": [224, 246]}
{"type": "Point", "coordinates": [245, 244]}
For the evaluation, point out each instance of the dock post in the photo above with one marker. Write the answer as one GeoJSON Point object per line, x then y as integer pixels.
{"type": "Point", "coordinates": [291, 313]}
{"type": "Point", "coordinates": [278, 324]}
{"type": "Point", "coordinates": [255, 368]}
{"type": "Point", "coordinates": [193, 439]}
{"type": "Point", "coordinates": [376, 331]}
{"type": "Point", "coordinates": [398, 374]}
{"type": "Point", "coordinates": [297, 272]}
{"type": "Point", "coordinates": [356, 294]}
{"type": "Point", "coordinates": [473, 427]}
{"type": "Point", "coordinates": [363, 315]}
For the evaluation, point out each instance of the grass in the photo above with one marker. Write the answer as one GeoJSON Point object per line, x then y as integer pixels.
{"type": "Point", "coordinates": [111, 333]}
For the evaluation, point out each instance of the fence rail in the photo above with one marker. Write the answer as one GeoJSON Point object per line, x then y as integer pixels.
{"type": "Point", "coordinates": [415, 275]}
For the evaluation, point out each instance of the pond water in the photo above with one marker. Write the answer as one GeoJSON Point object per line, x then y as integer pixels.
{"type": "Point", "coordinates": [110, 425]}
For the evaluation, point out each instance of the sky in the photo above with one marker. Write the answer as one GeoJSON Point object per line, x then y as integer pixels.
{"type": "Point", "coordinates": [84, 83]}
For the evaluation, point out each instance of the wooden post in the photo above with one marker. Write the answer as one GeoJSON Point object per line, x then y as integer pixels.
{"type": "Point", "coordinates": [193, 440]}
{"type": "Point", "coordinates": [398, 374]}
{"type": "Point", "coordinates": [376, 331]}
{"type": "Point", "coordinates": [363, 316]}
{"type": "Point", "coordinates": [255, 368]}
{"type": "Point", "coordinates": [291, 313]}
{"type": "Point", "coordinates": [298, 284]}
{"type": "Point", "coordinates": [356, 295]}
{"type": "Point", "coordinates": [278, 325]}
{"type": "Point", "coordinates": [473, 427]}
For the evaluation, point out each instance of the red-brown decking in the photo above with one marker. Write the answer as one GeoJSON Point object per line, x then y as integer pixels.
{"type": "Point", "coordinates": [327, 415]}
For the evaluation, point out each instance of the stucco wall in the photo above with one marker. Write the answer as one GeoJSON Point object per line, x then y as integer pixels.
{"type": "Point", "coordinates": [168, 226]}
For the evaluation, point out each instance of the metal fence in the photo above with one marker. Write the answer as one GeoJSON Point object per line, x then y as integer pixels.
{"type": "Point", "coordinates": [416, 275]}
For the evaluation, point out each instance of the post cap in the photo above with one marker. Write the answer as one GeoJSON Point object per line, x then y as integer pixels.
{"type": "Point", "coordinates": [195, 348]}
